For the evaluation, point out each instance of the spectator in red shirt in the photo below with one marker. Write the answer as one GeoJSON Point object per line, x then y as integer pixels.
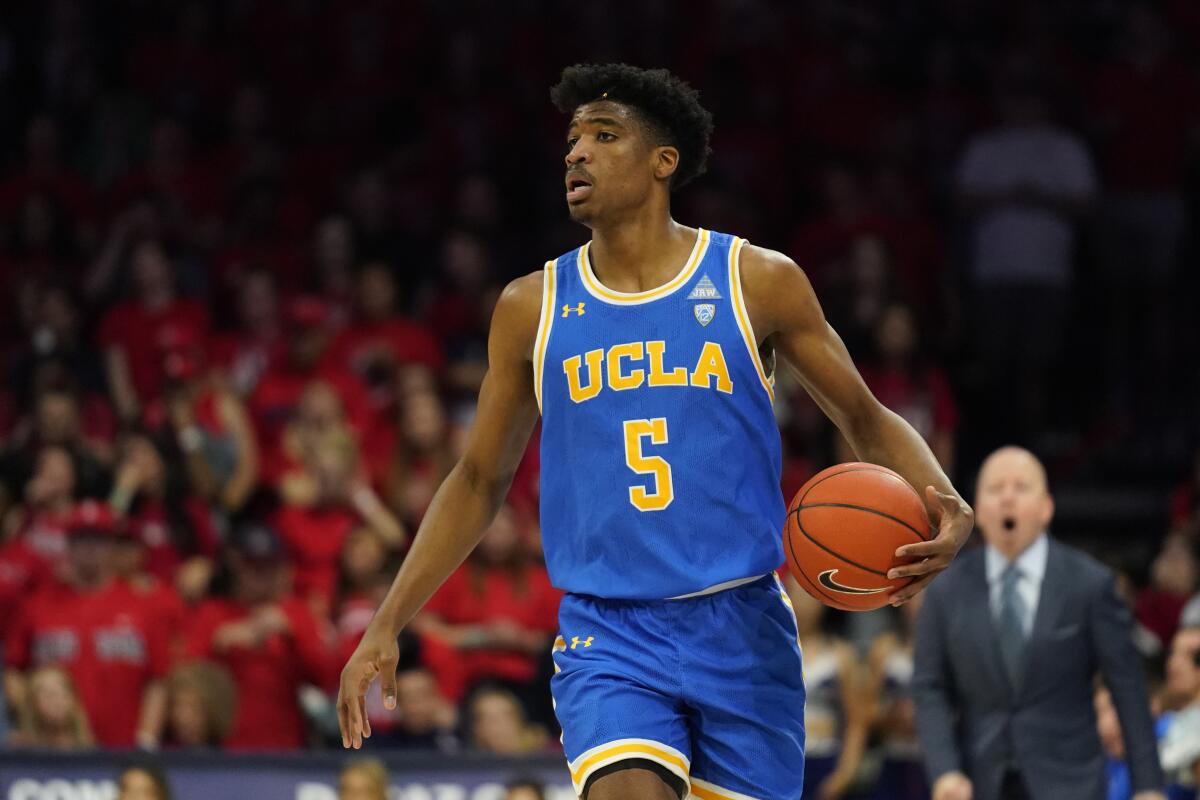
{"type": "Point", "coordinates": [174, 527]}
{"type": "Point", "coordinates": [46, 171]}
{"type": "Point", "coordinates": [380, 340]}
{"type": "Point", "coordinates": [421, 458]}
{"type": "Point", "coordinates": [132, 333]}
{"type": "Point", "coordinates": [208, 426]}
{"type": "Point", "coordinates": [366, 574]}
{"type": "Point", "coordinates": [269, 641]}
{"type": "Point", "coordinates": [498, 611]}
{"type": "Point", "coordinates": [908, 383]}
{"type": "Point", "coordinates": [41, 523]}
{"type": "Point", "coordinates": [55, 420]}
{"type": "Point", "coordinates": [334, 253]}
{"type": "Point", "coordinates": [243, 355]}
{"type": "Point", "coordinates": [278, 392]}
{"type": "Point", "coordinates": [101, 631]}
{"type": "Point", "coordinates": [460, 309]}
{"type": "Point", "coordinates": [326, 494]}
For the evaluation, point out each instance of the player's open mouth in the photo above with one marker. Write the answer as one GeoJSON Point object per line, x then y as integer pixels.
{"type": "Point", "coordinates": [1010, 524]}
{"type": "Point", "coordinates": [577, 189]}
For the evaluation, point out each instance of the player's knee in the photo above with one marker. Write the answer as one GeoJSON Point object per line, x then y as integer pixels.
{"type": "Point", "coordinates": [632, 783]}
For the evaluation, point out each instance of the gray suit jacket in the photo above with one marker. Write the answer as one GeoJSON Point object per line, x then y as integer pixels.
{"type": "Point", "coordinates": [972, 718]}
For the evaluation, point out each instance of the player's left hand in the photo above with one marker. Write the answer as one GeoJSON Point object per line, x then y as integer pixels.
{"type": "Point", "coordinates": [955, 523]}
{"type": "Point", "coordinates": [1150, 796]}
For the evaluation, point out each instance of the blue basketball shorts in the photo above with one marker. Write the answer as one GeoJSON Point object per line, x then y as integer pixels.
{"type": "Point", "coordinates": [709, 687]}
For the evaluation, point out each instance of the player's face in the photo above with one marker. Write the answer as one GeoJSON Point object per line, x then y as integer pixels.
{"type": "Point", "coordinates": [610, 163]}
{"type": "Point", "coordinates": [1012, 505]}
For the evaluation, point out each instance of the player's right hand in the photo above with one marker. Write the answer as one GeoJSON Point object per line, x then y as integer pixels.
{"type": "Point", "coordinates": [952, 786]}
{"type": "Point", "coordinates": [376, 655]}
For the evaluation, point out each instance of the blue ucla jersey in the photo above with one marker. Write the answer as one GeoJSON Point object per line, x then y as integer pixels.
{"type": "Point", "coordinates": [660, 455]}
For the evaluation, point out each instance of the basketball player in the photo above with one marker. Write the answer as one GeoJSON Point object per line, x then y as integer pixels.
{"type": "Point", "coordinates": [677, 667]}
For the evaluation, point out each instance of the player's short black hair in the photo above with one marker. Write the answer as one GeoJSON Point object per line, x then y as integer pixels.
{"type": "Point", "coordinates": [667, 105]}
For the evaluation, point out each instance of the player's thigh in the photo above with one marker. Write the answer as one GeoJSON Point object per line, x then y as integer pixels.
{"type": "Point", "coordinates": [746, 690]}
{"type": "Point", "coordinates": [616, 692]}
{"type": "Point", "coordinates": [638, 779]}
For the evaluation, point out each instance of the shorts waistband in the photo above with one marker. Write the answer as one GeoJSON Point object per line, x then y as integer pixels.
{"type": "Point", "coordinates": [720, 587]}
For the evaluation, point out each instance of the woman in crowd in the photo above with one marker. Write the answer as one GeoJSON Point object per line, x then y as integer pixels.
{"type": "Point", "coordinates": [498, 724]}
{"type": "Point", "coordinates": [498, 613]}
{"type": "Point", "coordinates": [52, 715]}
{"type": "Point", "coordinates": [836, 713]}
{"type": "Point", "coordinates": [201, 699]}
{"type": "Point", "coordinates": [889, 686]}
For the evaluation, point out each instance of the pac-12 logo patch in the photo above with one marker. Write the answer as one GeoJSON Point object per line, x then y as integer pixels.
{"type": "Point", "coordinates": [705, 312]}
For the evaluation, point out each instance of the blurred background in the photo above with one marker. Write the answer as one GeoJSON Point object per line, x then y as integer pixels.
{"type": "Point", "coordinates": [248, 256]}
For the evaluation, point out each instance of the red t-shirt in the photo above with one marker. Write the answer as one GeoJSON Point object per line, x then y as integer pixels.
{"type": "Point", "coordinates": [245, 359]}
{"type": "Point", "coordinates": [150, 524]}
{"type": "Point", "coordinates": [22, 573]}
{"type": "Point", "coordinates": [112, 642]}
{"type": "Point", "coordinates": [398, 341]}
{"type": "Point", "coordinates": [924, 400]}
{"type": "Point", "coordinates": [274, 401]}
{"type": "Point", "coordinates": [314, 538]}
{"type": "Point", "coordinates": [140, 334]}
{"type": "Point", "coordinates": [268, 716]}
{"type": "Point", "coordinates": [45, 534]}
{"type": "Point", "coordinates": [536, 608]}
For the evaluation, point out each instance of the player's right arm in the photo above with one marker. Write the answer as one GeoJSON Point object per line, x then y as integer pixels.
{"type": "Point", "coordinates": [463, 506]}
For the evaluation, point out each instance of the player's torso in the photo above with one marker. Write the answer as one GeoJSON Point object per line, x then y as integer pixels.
{"type": "Point", "coordinates": [660, 454]}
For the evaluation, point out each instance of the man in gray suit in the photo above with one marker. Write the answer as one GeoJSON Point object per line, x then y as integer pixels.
{"type": "Point", "coordinates": [1008, 643]}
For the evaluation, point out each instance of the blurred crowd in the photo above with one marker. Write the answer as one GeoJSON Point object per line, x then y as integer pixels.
{"type": "Point", "coordinates": [249, 252]}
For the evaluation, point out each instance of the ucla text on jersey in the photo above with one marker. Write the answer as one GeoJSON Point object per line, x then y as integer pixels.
{"type": "Point", "coordinates": [660, 452]}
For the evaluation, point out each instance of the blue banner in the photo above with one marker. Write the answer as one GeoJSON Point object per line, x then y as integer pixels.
{"type": "Point", "coordinates": [302, 776]}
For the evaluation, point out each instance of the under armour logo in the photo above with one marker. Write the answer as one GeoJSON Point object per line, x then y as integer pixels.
{"type": "Point", "coordinates": [578, 309]}
{"type": "Point", "coordinates": [576, 641]}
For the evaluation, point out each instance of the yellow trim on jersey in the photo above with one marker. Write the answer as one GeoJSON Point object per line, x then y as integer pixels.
{"type": "Point", "coordinates": [703, 790]}
{"type": "Point", "coordinates": [543, 331]}
{"type": "Point", "coordinates": [602, 292]}
{"type": "Point", "coordinates": [623, 749]}
{"type": "Point", "coordinates": [743, 318]}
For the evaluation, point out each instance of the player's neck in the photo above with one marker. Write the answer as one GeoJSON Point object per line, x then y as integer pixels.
{"type": "Point", "coordinates": [640, 254]}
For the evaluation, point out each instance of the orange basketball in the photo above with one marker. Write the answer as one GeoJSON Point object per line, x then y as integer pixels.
{"type": "Point", "coordinates": [843, 529]}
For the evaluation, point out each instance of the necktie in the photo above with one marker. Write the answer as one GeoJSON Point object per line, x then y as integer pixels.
{"type": "Point", "coordinates": [1012, 623]}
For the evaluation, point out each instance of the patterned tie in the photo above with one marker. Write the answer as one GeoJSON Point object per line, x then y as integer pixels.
{"type": "Point", "coordinates": [1012, 623]}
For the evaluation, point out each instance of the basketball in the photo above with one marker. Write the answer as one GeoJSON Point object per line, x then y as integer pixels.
{"type": "Point", "coordinates": [842, 531]}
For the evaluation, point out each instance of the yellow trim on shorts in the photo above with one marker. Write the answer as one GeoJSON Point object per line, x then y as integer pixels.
{"type": "Point", "coordinates": [625, 749]}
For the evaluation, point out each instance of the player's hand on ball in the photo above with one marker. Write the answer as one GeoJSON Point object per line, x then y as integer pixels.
{"type": "Point", "coordinates": [376, 655]}
{"type": "Point", "coordinates": [952, 786]}
{"type": "Point", "coordinates": [955, 522]}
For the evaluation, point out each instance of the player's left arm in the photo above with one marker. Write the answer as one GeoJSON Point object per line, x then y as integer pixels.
{"type": "Point", "coordinates": [785, 314]}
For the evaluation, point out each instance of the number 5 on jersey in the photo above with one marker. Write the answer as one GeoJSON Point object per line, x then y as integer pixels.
{"type": "Point", "coordinates": [642, 498]}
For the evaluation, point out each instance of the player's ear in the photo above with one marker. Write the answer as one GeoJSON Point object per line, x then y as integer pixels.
{"type": "Point", "coordinates": [666, 161]}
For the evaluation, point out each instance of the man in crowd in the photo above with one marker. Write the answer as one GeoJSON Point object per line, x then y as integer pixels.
{"type": "Point", "coordinates": [102, 631]}
{"type": "Point", "coordinates": [1007, 646]}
